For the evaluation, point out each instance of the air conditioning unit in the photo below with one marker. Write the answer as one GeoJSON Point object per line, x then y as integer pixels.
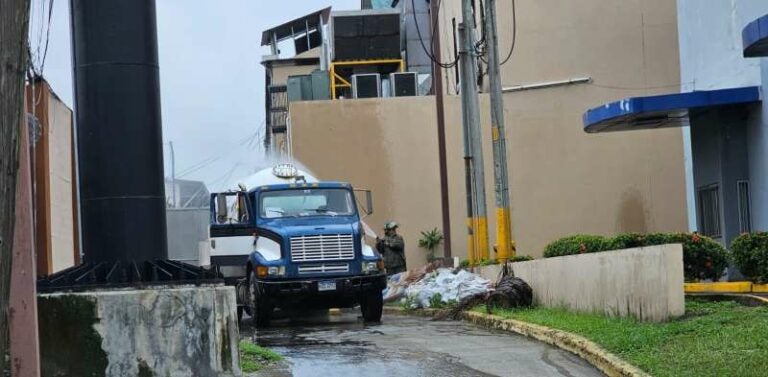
{"type": "Point", "coordinates": [366, 85]}
{"type": "Point", "coordinates": [404, 84]}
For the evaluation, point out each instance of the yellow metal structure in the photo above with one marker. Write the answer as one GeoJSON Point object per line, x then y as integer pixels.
{"type": "Point", "coordinates": [337, 81]}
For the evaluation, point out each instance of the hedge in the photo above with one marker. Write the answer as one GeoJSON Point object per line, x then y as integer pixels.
{"type": "Point", "coordinates": [703, 258]}
{"type": "Point", "coordinates": [750, 254]}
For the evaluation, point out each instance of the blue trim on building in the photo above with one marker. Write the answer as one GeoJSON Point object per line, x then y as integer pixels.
{"type": "Point", "coordinates": [755, 38]}
{"type": "Point", "coordinates": [668, 110]}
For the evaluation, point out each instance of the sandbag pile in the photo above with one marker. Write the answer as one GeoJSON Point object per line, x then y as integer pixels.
{"type": "Point", "coordinates": [452, 287]}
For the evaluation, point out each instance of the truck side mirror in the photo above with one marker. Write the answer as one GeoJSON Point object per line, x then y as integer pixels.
{"type": "Point", "coordinates": [368, 202]}
{"type": "Point", "coordinates": [221, 208]}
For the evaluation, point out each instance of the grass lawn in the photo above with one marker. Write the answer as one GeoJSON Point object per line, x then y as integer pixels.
{"type": "Point", "coordinates": [712, 339]}
{"type": "Point", "coordinates": [254, 357]}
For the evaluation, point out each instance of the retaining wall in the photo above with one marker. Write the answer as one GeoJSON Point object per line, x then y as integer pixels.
{"type": "Point", "coordinates": [185, 331]}
{"type": "Point", "coordinates": [646, 282]}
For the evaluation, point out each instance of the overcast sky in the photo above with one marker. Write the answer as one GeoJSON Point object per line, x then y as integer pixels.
{"type": "Point", "coordinates": [211, 81]}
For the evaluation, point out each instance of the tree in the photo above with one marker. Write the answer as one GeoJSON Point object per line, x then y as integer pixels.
{"type": "Point", "coordinates": [14, 19]}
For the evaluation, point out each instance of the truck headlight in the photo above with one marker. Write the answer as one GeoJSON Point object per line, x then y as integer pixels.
{"type": "Point", "coordinates": [370, 267]}
{"type": "Point", "coordinates": [276, 271]}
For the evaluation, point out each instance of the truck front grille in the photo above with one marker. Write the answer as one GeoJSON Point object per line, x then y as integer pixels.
{"type": "Point", "coordinates": [323, 247]}
{"type": "Point", "coordinates": [323, 268]}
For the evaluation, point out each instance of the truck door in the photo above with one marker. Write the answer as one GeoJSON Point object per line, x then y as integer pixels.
{"type": "Point", "coordinates": [231, 232]}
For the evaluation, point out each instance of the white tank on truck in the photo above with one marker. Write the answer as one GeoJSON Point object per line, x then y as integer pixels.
{"type": "Point", "coordinates": [287, 240]}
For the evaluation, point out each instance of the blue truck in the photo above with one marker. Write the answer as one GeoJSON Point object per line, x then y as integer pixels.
{"type": "Point", "coordinates": [287, 241]}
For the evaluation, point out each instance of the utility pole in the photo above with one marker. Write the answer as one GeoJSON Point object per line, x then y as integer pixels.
{"type": "Point", "coordinates": [14, 18]}
{"type": "Point", "coordinates": [173, 175]}
{"type": "Point", "coordinates": [506, 248]}
{"type": "Point", "coordinates": [473, 147]}
{"type": "Point", "coordinates": [437, 85]}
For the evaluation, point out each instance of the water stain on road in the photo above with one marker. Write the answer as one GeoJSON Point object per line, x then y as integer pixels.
{"type": "Point", "coordinates": [341, 345]}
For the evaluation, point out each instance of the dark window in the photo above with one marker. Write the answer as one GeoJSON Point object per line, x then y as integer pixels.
{"type": "Point", "coordinates": [709, 211]}
{"type": "Point", "coordinates": [745, 209]}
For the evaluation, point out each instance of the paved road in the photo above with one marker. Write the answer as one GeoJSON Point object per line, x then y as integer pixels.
{"type": "Point", "coordinates": [340, 345]}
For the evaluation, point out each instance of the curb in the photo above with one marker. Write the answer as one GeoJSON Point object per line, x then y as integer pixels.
{"type": "Point", "coordinates": [595, 355]}
{"type": "Point", "coordinates": [726, 287]}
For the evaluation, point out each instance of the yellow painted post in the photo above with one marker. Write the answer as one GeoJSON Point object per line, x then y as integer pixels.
{"type": "Point", "coordinates": [333, 81]}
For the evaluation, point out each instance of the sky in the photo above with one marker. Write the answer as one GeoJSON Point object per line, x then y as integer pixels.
{"type": "Point", "coordinates": [211, 81]}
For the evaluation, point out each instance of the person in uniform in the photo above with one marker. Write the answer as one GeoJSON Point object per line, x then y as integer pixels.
{"type": "Point", "coordinates": [392, 249]}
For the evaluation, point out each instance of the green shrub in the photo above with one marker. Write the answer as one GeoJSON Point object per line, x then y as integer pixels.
{"type": "Point", "coordinates": [430, 240]}
{"type": "Point", "coordinates": [750, 254]}
{"type": "Point", "coordinates": [464, 263]}
{"type": "Point", "coordinates": [703, 258]}
{"type": "Point", "coordinates": [521, 258]}
{"type": "Point", "coordinates": [576, 244]}
{"type": "Point", "coordinates": [487, 262]}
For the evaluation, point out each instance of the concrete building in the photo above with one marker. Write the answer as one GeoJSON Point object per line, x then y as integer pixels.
{"type": "Point", "coordinates": [562, 180]}
{"type": "Point", "coordinates": [54, 180]}
{"type": "Point", "coordinates": [720, 111]}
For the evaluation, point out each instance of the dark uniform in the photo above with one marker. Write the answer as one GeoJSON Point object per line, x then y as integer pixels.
{"type": "Point", "coordinates": [392, 249]}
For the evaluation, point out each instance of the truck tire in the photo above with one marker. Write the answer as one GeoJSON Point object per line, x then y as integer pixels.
{"type": "Point", "coordinates": [371, 306]}
{"type": "Point", "coordinates": [260, 309]}
{"type": "Point", "coordinates": [239, 314]}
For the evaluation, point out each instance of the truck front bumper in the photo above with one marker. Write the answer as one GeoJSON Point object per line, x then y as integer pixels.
{"type": "Point", "coordinates": [304, 292]}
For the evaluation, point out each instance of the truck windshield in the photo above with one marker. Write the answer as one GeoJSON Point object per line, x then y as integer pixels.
{"type": "Point", "coordinates": [306, 202]}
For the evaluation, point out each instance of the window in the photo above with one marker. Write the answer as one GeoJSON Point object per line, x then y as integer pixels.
{"type": "Point", "coordinates": [709, 211]}
{"type": "Point", "coordinates": [232, 208]}
{"type": "Point", "coordinates": [306, 202]}
{"type": "Point", "coordinates": [745, 209]}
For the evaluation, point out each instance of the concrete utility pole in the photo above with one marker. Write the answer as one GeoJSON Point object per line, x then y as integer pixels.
{"type": "Point", "coordinates": [505, 244]}
{"type": "Point", "coordinates": [473, 147]}
{"type": "Point", "coordinates": [14, 18]}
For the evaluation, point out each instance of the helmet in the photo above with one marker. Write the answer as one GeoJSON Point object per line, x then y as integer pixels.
{"type": "Point", "coordinates": [390, 225]}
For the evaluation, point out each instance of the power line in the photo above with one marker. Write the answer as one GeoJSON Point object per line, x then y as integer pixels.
{"type": "Point", "coordinates": [431, 54]}
{"type": "Point", "coordinates": [514, 34]}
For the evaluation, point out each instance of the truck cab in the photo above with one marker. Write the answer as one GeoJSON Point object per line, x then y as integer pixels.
{"type": "Point", "coordinates": [295, 243]}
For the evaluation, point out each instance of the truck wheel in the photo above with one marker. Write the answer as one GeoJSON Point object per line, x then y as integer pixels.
{"type": "Point", "coordinates": [371, 306]}
{"type": "Point", "coordinates": [260, 309]}
{"type": "Point", "coordinates": [239, 314]}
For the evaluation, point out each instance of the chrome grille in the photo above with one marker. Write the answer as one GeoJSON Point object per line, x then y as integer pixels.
{"type": "Point", "coordinates": [323, 247]}
{"type": "Point", "coordinates": [323, 268]}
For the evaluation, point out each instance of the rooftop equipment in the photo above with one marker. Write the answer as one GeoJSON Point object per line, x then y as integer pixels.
{"type": "Point", "coordinates": [404, 84]}
{"type": "Point", "coordinates": [366, 85]}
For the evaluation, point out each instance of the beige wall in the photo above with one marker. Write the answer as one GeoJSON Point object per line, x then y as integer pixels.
{"type": "Point", "coordinates": [386, 146]}
{"type": "Point", "coordinates": [56, 231]}
{"type": "Point", "coordinates": [563, 180]}
{"type": "Point", "coordinates": [61, 172]}
{"type": "Point", "coordinates": [280, 73]}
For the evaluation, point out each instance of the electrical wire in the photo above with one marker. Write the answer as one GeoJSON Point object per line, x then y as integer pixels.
{"type": "Point", "coordinates": [431, 54]}
{"type": "Point", "coordinates": [514, 34]}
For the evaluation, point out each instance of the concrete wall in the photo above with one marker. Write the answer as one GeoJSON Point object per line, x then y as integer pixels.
{"type": "Point", "coordinates": [711, 58]}
{"type": "Point", "coordinates": [646, 283]}
{"type": "Point", "coordinates": [710, 43]}
{"type": "Point", "coordinates": [387, 146]}
{"type": "Point", "coordinates": [185, 331]}
{"type": "Point", "coordinates": [625, 181]}
{"type": "Point", "coordinates": [187, 227]}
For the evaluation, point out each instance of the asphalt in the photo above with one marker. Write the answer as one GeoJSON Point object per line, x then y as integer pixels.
{"type": "Point", "coordinates": [341, 345]}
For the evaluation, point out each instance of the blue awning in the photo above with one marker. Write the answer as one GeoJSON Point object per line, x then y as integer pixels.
{"type": "Point", "coordinates": [755, 38]}
{"type": "Point", "coordinates": [669, 110]}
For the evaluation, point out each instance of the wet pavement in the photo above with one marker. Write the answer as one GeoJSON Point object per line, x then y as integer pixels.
{"type": "Point", "coordinates": [341, 345]}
